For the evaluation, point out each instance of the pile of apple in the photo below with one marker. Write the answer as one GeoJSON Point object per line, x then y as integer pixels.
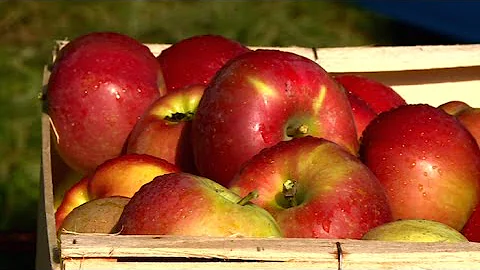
{"type": "Point", "coordinates": [213, 138]}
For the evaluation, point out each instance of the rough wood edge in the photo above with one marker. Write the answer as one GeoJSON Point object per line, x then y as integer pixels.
{"type": "Point", "coordinates": [322, 251]}
{"type": "Point", "coordinates": [375, 59]}
{"type": "Point", "coordinates": [94, 264]}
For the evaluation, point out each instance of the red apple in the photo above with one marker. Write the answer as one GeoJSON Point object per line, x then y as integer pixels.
{"type": "Point", "coordinates": [163, 130]}
{"type": "Point", "coordinates": [362, 113]}
{"type": "Point", "coordinates": [471, 230]}
{"type": "Point", "coordinates": [124, 175]}
{"type": "Point", "coordinates": [470, 118]}
{"type": "Point", "coordinates": [314, 188]}
{"type": "Point", "coordinates": [378, 96]}
{"type": "Point", "coordinates": [99, 86]}
{"type": "Point", "coordinates": [120, 176]}
{"type": "Point", "coordinates": [263, 97]}
{"type": "Point", "coordinates": [190, 205]}
{"type": "Point", "coordinates": [427, 161]}
{"type": "Point", "coordinates": [196, 59]}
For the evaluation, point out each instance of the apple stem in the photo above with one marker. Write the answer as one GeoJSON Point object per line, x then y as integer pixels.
{"type": "Point", "coordinates": [297, 131]}
{"type": "Point", "coordinates": [250, 196]}
{"type": "Point", "coordinates": [179, 117]}
{"type": "Point", "coordinates": [289, 192]}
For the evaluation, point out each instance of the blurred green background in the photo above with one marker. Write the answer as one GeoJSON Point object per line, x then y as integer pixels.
{"type": "Point", "coordinates": [28, 30]}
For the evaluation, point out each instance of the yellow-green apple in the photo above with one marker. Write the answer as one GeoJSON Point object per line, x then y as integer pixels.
{"type": "Point", "coordinates": [99, 86]}
{"type": "Point", "coordinates": [95, 216]}
{"type": "Point", "coordinates": [164, 129]}
{"type": "Point", "coordinates": [124, 175]}
{"type": "Point", "coordinates": [415, 230]}
{"type": "Point", "coordinates": [314, 188]}
{"type": "Point", "coordinates": [428, 162]}
{"type": "Point", "coordinates": [190, 205]}
{"type": "Point", "coordinates": [471, 230]}
{"type": "Point", "coordinates": [73, 197]}
{"type": "Point", "coordinates": [196, 59]}
{"type": "Point", "coordinates": [362, 113]}
{"type": "Point", "coordinates": [263, 97]}
{"type": "Point", "coordinates": [378, 96]}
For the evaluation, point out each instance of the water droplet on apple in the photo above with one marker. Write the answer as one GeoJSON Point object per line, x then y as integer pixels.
{"type": "Point", "coordinates": [405, 183]}
{"type": "Point", "coordinates": [85, 93]}
{"type": "Point", "coordinates": [420, 187]}
{"type": "Point", "coordinates": [413, 164]}
{"type": "Point", "coordinates": [425, 174]}
{"type": "Point", "coordinates": [424, 194]}
{"type": "Point", "coordinates": [439, 171]}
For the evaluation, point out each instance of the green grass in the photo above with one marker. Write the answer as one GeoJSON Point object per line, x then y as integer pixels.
{"type": "Point", "coordinates": [28, 30]}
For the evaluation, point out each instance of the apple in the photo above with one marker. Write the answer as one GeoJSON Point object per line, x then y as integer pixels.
{"type": "Point", "coordinates": [99, 86]}
{"type": "Point", "coordinates": [163, 130]}
{"type": "Point", "coordinates": [73, 197]}
{"type": "Point", "coordinates": [454, 107]}
{"type": "Point", "coordinates": [362, 113]}
{"type": "Point", "coordinates": [263, 97]}
{"type": "Point", "coordinates": [196, 59]}
{"type": "Point", "coordinates": [470, 118]}
{"type": "Point", "coordinates": [64, 177]}
{"type": "Point", "coordinates": [314, 188]}
{"type": "Point", "coordinates": [120, 176]}
{"type": "Point", "coordinates": [190, 205]}
{"type": "Point", "coordinates": [427, 161]}
{"type": "Point", "coordinates": [378, 96]}
{"type": "Point", "coordinates": [415, 230]}
{"type": "Point", "coordinates": [95, 216]}
{"type": "Point", "coordinates": [471, 230]}
{"type": "Point", "coordinates": [124, 175]}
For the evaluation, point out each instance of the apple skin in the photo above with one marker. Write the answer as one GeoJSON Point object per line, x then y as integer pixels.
{"type": "Point", "coordinates": [196, 59]}
{"type": "Point", "coordinates": [73, 197]}
{"type": "Point", "coordinates": [362, 113]}
{"type": "Point", "coordinates": [454, 107]}
{"type": "Point", "coordinates": [95, 216]}
{"type": "Point", "coordinates": [427, 161]}
{"type": "Point", "coordinates": [337, 196]}
{"type": "Point", "coordinates": [190, 205]}
{"type": "Point", "coordinates": [158, 133]}
{"type": "Point", "coordinates": [378, 96]}
{"type": "Point", "coordinates": [120, 176]}
{"type": "Point", "coordinates": [263, 97]}
{"type": "Point", "coordinates": [415, 230]}
{"type": "Point", "coordinates": [99, 86]}
{"type": "Point", "coordinates": [124, 175]}
{"type": "Point", "coordinates": [471, 230]}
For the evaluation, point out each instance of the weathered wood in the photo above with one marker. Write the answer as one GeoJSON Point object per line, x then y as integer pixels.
{"type": "Point", "coordinates": [270, 251]}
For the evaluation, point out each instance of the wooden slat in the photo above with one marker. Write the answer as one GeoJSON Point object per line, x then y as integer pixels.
{"type": "Point", "coordinates": [376, 59]}
{"type": "Point", "coordinates": [88, 264]}
{"type": "Point", "coordinates": [355, 253]}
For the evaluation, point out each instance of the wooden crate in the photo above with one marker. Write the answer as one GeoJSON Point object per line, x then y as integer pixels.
{"type": "Point", "coordinates": [421, 74]}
